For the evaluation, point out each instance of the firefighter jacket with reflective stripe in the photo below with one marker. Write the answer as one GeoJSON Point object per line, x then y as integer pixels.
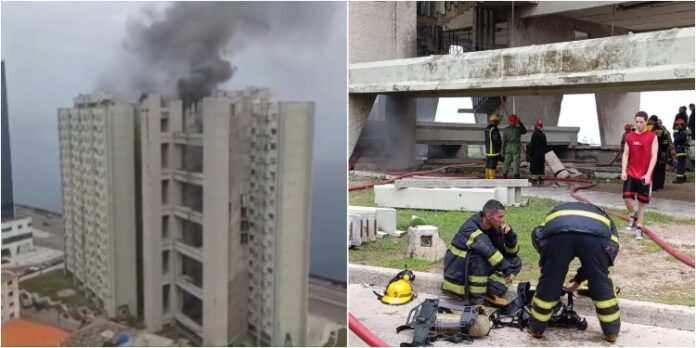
{"type": "Point", "coordinates": [680, 142]}
{"type": "Point", "coordinates": [490, 244]}
{"type": "Point", "coordinates": [493, 141]}
{"type": "Point", "coordinates": [575, 217]}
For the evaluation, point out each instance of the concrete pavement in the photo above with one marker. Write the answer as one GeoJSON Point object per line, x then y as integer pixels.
{"type": "Point", "coordinates": [561, 192]}
{"type": "Point", "coordinates": [383, 320]}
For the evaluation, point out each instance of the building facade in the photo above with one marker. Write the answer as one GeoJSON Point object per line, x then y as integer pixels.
{"type": "Point", "coordinates": [10, 296]}
{"type": "Point", "coordinates": [8, 212]}
{"type": "Point", "coordinates": [97, 149]}
{"type": "Point", "coordinates": [17, 239]}
{"type": "Point", "coordinates": [216, 189]}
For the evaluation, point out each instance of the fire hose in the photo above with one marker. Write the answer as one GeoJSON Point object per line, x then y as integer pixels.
{"type": "Point", "coordinates": [373, 341]}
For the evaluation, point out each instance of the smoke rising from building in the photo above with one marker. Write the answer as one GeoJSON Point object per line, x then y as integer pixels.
{"type": "Point", "coordinates": [186, 49]}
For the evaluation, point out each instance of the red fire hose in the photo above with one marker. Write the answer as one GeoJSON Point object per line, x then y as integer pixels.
{"type": "Point", "coordinates": [364, 333]}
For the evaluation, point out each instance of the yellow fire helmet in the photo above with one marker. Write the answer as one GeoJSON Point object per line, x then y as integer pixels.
{"type": "Point", "coordinates": [399, 290]}
{"type": "Point", "coordinates": [494, 117]}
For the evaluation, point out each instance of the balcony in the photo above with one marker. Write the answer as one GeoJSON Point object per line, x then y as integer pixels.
{"type": "Point", "coordinates": [187, 214]}
{"type": "Point", "coordinates": [186, 283]}
{"type": "Point", "coordinates": [188, 250]}
{"type": "Point", "coordinates": [189, 323]}
{"type": "Point", "coordinates": [194, 139]}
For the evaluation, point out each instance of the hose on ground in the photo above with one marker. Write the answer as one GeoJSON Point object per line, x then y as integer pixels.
{"type": "Point", "coordinates": [364, 333]}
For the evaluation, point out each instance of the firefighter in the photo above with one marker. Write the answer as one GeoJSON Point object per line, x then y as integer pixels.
{"type": "Point", "coordinates": [482, 260]}
{"type": "Point", "coordinates": [663, 152]}
{"type": "Point", "coordinates": [536, 151]}
{"type": "Point", "coordinates": [680, 116]}
{"type": "Point", "coordinates": [511, 145]}
{"type": "Point", "coordinates": [493, 144]}
{"type": "Point", "coordinates": [680, 143]}
{"type": "Point", "coordinates": [584, 231]}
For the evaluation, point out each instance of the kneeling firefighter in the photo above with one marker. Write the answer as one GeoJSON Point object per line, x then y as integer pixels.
{"type": "Point", "coordinates": [576, 230]}
{"type": "Point", "coordinates": [482, 258]}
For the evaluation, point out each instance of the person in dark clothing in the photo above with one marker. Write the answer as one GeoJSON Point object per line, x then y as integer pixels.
{"type": "Point", "coordinates": [627, 129]}
{"type": "Point", "coordinates": [493, 143]}
{"type": "Point", "coordinates": [680, 116]}
{"type": "Point", "coordinates": [584, 231]}
{"type": "Point", "coordinates": [691, 121]}
{"type": "Point", "coordinates": [663, 152]}
{"type": "Point", "coordinates": [680, 139]}
{"type": "Point", "coordinates": [482, 260]}
{"type": "Point", "coordinates": [536, 151]}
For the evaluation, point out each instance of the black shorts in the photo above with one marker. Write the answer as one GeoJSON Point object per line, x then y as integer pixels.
{"type": "Point", "coordinates": [634, 187]}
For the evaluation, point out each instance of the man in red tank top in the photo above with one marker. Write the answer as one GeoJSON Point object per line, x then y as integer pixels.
{"type": "Point", "coordinates": [639, 158]}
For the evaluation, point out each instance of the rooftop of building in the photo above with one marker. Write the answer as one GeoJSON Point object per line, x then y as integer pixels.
{"type": "Point", "coordinates": [103, 331]}
{"type": "Point", "coordinates": [27, 333]}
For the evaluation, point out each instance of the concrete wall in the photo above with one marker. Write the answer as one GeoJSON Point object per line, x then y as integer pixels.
{"type": "Point", "coordinates": [381, 30]}
{"type": "Point", "coordinates": [614, 110]}
{"type": "Point", "coordinates": [10, 296]}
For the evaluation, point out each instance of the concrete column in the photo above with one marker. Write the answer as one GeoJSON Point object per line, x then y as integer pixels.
{"type": "Point", "coordinates": [426, 108]}
{"type": "Point", "coordinates": [400, 137]}
{"type": "Point", "coordinates": [613, 111]}
{"type": "Point", "coordinates": [532, 108]}
{"type": "Point", "coordinates": [359, 107]}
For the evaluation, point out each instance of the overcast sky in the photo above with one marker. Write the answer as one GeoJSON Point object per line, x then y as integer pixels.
{"type": "Point", "coordinates": [55, 51]}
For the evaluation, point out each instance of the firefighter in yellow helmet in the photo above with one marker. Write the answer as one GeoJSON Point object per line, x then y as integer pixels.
{"type": "Point", "coordinates": [493, 143]}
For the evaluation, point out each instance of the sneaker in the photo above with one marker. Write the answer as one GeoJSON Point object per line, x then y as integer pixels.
{"type": "Point", "coordinates": [639, 233]}
{"type": "Point", "coordinates": [632, 221]}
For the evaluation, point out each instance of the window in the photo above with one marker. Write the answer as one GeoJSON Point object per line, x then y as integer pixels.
{"type": "Point", "coordinates": [7, 229]}
{"type": "Point", "coordinates": [11, 293]}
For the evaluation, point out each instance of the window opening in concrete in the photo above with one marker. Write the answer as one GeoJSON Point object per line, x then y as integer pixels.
{"type": "Point", "coordinates": [165, 227]}
{"type": "Point", "coordinates": [165, 262]}
{"type": "Point", "coordinates": [165, 155]}
{"type": "Point", "coordinates": [165, 192]}
{"type": "Point", "coordinates": [192, 233]}
{"type": "Point", "coordinates": [165, 298]}
{"type": "Point", "coordinates": [426, 241]}
{"type": "Point", "coordinates": [192, 196]}
{"type": "Point", "coordinates": [164, 125]}
{"type": "Point", "coordinates": [192, 307]}
{"type": "Point", "coordinates": [192, 271]}
{"type": "Point", "coordinates": [192, 158]}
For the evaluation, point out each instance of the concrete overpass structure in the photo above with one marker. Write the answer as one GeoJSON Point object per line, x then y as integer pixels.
{"type": "Point", "coordinates": [534, 51]}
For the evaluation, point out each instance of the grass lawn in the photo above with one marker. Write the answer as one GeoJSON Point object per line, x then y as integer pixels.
{"type": "Point", "coordinates": [50, 283]}
{"type": "Point", "coordinates": [391, 252]}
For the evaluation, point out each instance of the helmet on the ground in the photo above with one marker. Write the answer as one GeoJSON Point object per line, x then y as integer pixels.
{"type": "Point", "coordinates": [398, 292]}
{"type": "Point", "coordinates": [494, 118]}
{"type": "Point", "coordinates": [539, 124]}
{"type": "Point", "coordinates": [513, 119]}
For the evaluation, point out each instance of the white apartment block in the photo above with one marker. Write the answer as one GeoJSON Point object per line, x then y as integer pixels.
{"type": "Point", "coordinates": [10, 296]}
{"type": "Point", "coordinates": [97, 149]}
{"type": "Point", "coordinates": [17, 239]}
{"type": "Point", "coordinates": [225, 187]}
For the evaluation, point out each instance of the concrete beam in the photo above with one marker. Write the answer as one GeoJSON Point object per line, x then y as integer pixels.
{"type": "Point", "coordinates": [545, 8]}
{"type": "Point", "coordinates": [470, 133]}
{"type": "Point", "coordinates": [639, 62]}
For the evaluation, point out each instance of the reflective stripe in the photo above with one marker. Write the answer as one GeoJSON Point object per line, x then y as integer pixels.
{"type": "Point", "coordinates": [495, 258]}
{"type": "Point", "coordinates": [496, 278]}
{"type": "Point", "coordinates": [456, 251]}
{"type": "Point", "coordinates": [490, 143]}
{"type": "Point", "coordinates": [541, 317]}
{"type": "Point", "coordinates": [588, 214]}
{"type": "Point", "coordinates": [615, 238]}
{"type": "Point", "coordinates": [455, 288]}
{"type": "Point", "coordinates": [609, 317]}
{"type": "Point", "coordinates": [681, 154]}
{"type": "Point", "coordinates": [478, 279]}
{"type": "Point", "coordinates": [606, 303]}
{"type": "Point", "coordinates": [544, 304]}
{"type": "Point", "coordinates": [472, 237]}
{"type": "Point", "coordinates": [513, 250]}
{"type": "Point", "coordinates": [477, 289]}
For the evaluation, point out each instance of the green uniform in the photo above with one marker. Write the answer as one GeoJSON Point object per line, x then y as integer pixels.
{"type": "Point", "coordinates": [511, 147]}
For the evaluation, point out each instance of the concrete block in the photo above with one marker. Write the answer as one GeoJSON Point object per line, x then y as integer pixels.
{"type": "Point", "coordinates": [459, 183]}
{"type": "Point", "coordinates": [386, 217]}
{"type": "Point", "coordinates": [425, 243]}
{"type": "Point", "coordinates": [354, 230]}
{"type": "Point", "coordinates": [471, 199]}
{"type": "Point", "coordinates": [381, 234]}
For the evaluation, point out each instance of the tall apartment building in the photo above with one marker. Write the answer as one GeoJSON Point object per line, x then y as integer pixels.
{"type": "Point", "coordinates": [225, 186]}
{"type": "Point", "coordinates": [97, 149]}
{"type": "Point", "coordinates": [8, 210]}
